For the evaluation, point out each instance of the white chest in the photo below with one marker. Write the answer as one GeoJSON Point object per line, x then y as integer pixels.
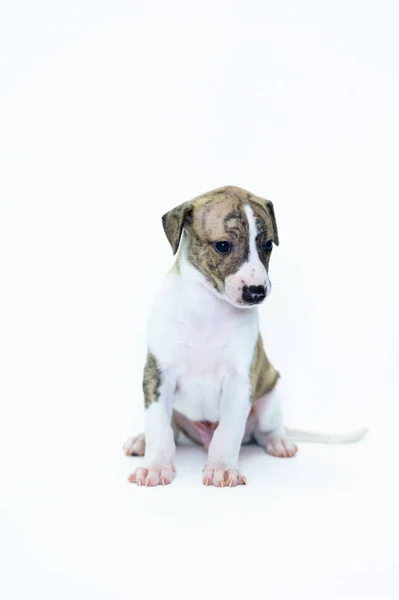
{"type": "Point", "coordinates": [199, 341]}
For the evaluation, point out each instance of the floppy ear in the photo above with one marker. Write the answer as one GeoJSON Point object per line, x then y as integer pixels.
{"type": "Point", "coordinates": [173, 223]}
{"type": "Point", "coordinates": [270, 209]}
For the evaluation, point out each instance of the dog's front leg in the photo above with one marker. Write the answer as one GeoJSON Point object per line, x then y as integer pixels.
{"type": "Point", "coordinates": [157, 467]}
{"type": "Point", "coordinates": [222, 466]}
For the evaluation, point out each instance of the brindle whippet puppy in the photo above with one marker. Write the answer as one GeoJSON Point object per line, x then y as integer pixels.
{"type": "Point", "coordinates": [207, 373]}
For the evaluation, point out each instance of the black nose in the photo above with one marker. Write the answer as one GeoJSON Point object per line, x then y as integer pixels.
{"type": "Point", "coordinates": [253, 294]}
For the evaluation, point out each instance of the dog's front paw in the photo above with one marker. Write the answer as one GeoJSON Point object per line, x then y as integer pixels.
{"type": "Point", "coordinates": [135, 446]}
{"type": "Point", "coordinates": [150, 477]}
{"type": "Point", "coordinates": [282, 447]}
{"type": "Point", "coordinates": [221, 477]}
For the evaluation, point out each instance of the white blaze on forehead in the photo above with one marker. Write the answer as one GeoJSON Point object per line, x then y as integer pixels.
{"type": "Point", "coordinates": [253, 272]}
{"type": "Point", "coordinates": [253, 232]}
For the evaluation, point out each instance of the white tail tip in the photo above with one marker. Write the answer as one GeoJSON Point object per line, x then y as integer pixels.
{"type": "Point", "coordinates": [327, 438]}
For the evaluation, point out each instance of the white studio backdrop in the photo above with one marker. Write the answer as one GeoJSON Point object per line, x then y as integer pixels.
{"type": "Point", "coordinates": [111, 113]}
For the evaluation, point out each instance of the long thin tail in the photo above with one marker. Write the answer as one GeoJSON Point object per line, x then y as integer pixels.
{"type": "Point", "coordinates": [326, 438]}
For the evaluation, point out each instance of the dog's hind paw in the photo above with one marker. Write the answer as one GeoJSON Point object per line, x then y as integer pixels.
{"type": "Point", "coordinates": [281, 447]}
{"type": "Point", "coordinates": [135, 446]}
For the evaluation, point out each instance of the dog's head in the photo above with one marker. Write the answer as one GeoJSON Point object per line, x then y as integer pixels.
{"type": "Point", "coordinates": [230, 235]}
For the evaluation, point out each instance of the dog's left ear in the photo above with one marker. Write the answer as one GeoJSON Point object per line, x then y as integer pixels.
{"type": "Point", "coordinates": [174, 221]}
{"type": "Point", "coordinates": [270, 210]}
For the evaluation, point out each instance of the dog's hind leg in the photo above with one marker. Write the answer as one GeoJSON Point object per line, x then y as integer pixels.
{"type": "Point", "coordinates": [269, 431]}
{"type": "Point", "coordinates": [135, 446]}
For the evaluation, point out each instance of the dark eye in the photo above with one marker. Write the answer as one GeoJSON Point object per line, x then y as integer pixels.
{"type": "Point", "coordinates": [223, 247]}
{"type": "Point", "coordinates": [268, 246]}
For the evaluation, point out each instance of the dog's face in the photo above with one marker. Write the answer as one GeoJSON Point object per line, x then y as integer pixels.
{"type": "Point", "coordinates": [230, 237]}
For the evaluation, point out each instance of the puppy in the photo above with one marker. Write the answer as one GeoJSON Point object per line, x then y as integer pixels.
{"type": "Point", "coordinates": [207, 373]}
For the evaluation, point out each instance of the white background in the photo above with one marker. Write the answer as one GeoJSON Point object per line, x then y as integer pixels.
{"type": "Point", "coordinates": [111, 113]}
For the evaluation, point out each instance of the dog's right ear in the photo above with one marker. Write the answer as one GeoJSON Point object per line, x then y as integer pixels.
{"type": "Point", "coordinates": [174, 221]}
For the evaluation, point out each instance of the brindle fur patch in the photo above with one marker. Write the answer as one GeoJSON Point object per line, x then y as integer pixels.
{"type": "Point", "coordinates": [151, 381]}
{"type": "Point", "coordinates": [263, 375]}
{"type": "Point", "coordinates": [214, 221]}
